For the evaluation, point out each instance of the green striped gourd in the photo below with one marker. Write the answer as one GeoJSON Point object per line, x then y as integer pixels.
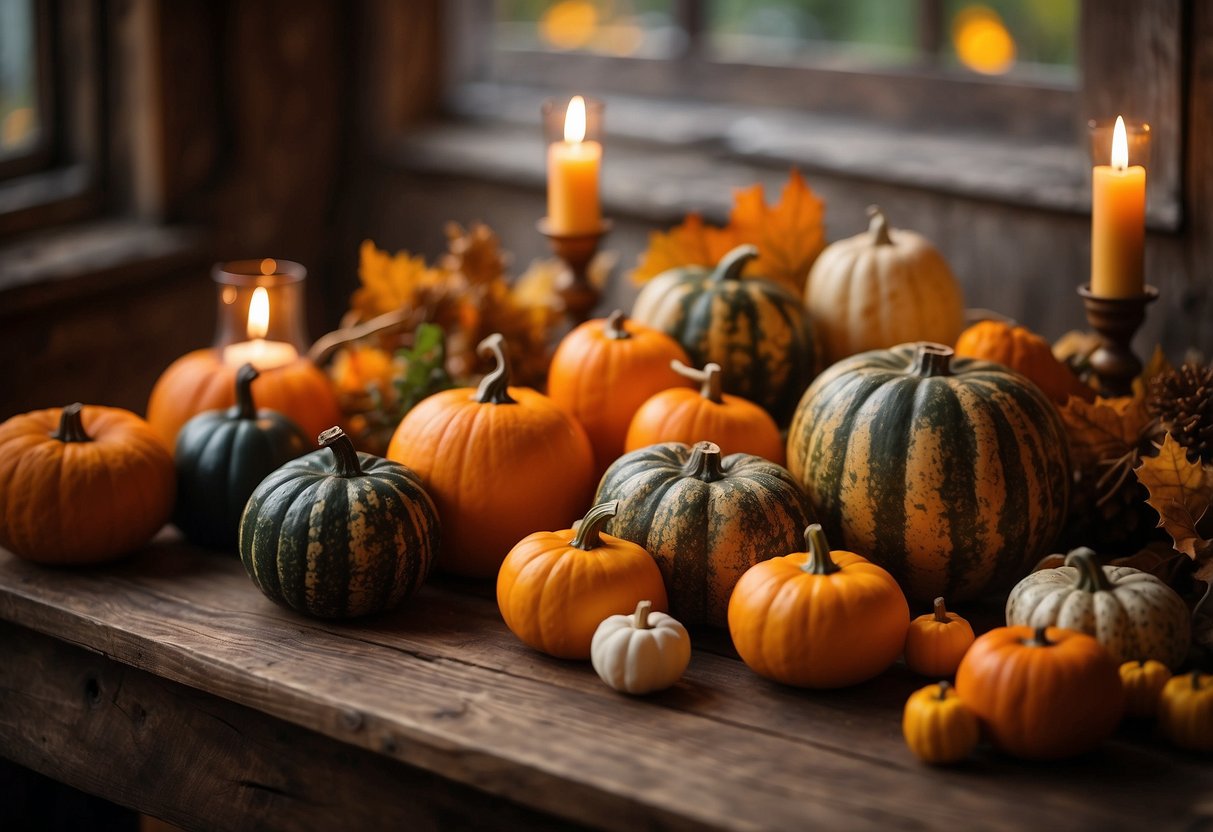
{"type": "Point", "coordinates": [339, 534]}
{"type": "Point", "coordinates": [953, 474]}
{"type": "Point", "coordinates": [704, 518]}
{"type": "Point", "coordinates": [756, 330]}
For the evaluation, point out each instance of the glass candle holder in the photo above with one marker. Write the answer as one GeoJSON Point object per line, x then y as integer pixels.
{"type": "Point", "coordinates": [1136, 132]}
{"type": "Point", "coordinates": [261, 312]}
{"type": "Point", "coordinates": [573, 131]}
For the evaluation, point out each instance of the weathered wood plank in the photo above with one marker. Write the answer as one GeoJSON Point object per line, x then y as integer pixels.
{"type": "Point", "coordinates": [204, 763]}
{"type": "Point", "coordinates": [442, 685]}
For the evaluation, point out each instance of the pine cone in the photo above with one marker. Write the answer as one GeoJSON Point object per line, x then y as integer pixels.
{"type": "Point", "coordinates": [1182, 401]}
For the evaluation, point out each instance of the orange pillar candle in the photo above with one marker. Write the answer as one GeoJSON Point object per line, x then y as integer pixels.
{"type": "Point", "coordinates": [573, 166]}
{"type": "Point", "coordinates": [1118, 223]}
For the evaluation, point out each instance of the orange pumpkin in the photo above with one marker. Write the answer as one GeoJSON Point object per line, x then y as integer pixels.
{"type": "Point", "coordinates": [1143, 681]}
{"type": "Point", "coordinates": [604, 370]}
{"type": "Point", "coordinates": [499, 462]}
{"type": "Point", "coordinates": [200, 380]}
{"type": "Point", "coordinates": [818, 619]}
{"type": "Point", "coordinates": [937, 642]}
{"type": "Point", "coordinates": [1026, 353]}
{"type": "Point", "coordinates": [555, 588]}
{"type": "Point", "coordinates": [1042, 694]}
{"type": "Point", "coordinates": [82, 484]}
{"type": "Point", "coordinates": [737, 425]}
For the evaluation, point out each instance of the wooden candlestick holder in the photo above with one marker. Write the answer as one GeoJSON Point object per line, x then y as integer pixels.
{"type": "Point", "coordinates": [1115, 321]}
{"type": "Point", "coordinates": [576, 250]}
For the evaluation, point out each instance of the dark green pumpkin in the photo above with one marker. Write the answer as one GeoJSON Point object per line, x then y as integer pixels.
{"type": "Point", "coordinates": [951, 473]}
{"type": "Point", "coordinates": [756, 330]}
{"type": "Point", "coordinates": [339, 534]}
{"type": "Point", "coordinates": [221, 456]}
{"type": "Point", "coordinates": [704, 518]}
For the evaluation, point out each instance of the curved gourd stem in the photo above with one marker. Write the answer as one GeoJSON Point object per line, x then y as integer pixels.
{"type": "Point", "coordinates": [640, 618]}
{"type": "Point", "coordinates": [732, 264]}
{"type": "Point", "coordinates": [494, 388]}
{"type": "Point", "coordinates": [932, 360]}
{"type": "Point", "coordinates": [819, 561]}
{"type": "Point", "coordinates": [704, 463]}
{"type": "Point", "coordinates": [1091, 577]}
{"type": "Point", "coordinates": [878, 227]}
{"type": "Point", "coordinates": [711, 387]}
{"type": "Point", "coordinates": [71, 425]}
{"type": "Point", "coordinates": [345, 455]}
{"type": "Point", "coordinates": [614, 326]}
{"type": "Point", "coordinates": [941, 612]}
{"type": "Point", "coordinates": [944, 687]}
{"type": "Point", "coordinates": [246, 408]}
{"type": "Point", "coordinates": [587, 533]}
{"type": "Point", "coordinates": [1040, 638]}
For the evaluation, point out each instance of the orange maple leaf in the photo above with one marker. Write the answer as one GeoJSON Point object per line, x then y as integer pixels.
{"type": "Point", "coordinates": [1180, 491]}
{"type": "Point", "coordinates": [789, 234]}
{"type": "Point", "coordinates": [1104, 429]}
{"type": "Point", "coordinates": [693, 243]}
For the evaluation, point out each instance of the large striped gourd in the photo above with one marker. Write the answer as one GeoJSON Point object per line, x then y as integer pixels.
{"type": "Point", "coordinates": [704, 518]}
{"type": "Point", "coordinates": [339, 534]}
{"type": "Point", "coordinates": [953, 474]}
{"type": "Point", "coordinates": [755, 329]}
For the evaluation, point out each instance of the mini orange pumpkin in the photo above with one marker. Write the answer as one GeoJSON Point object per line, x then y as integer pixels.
{"type": "Point", "coordinates": [737, 425]}
{"type": "Point", "coordinates": [1044, 693]}
{"type": "Point", "coordinates": [604, 370]}
{"type": "Point", "coordinates": [1026, 353]}
{"type": "Point", "coordinates": [499, 462]}
{"type": "Point", "coordinates": [818, 619]}
{"type": "Point", "coordinates": [937, 642]}
{"type": "Point", "coordinates": [937, 726]}
{"type": "Point", "coordinates": [82, 484]}
{"type": "Point", "coordinates": [200, 380]}
{"type": "Point", "coordinates": [1143, 681]}
{"type": "Point", "coordinates": [555, 588]}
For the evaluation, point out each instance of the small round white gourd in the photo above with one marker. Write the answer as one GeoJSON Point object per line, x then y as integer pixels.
{"type": "Point", "coordinates": [1133, 614]}
{"type": "Point", "coordinates": [642, 652]}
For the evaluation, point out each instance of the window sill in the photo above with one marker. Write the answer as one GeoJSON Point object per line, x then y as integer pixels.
{"type": "Point", "coordinates": [668, 158]}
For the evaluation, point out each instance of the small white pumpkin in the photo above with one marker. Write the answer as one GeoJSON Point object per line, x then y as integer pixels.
{"type": "Point", "coordinates": [641, 652]}
{"type": "Point", "coordinates": [1131, 613]}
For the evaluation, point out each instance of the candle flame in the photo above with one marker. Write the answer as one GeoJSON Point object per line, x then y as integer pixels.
{"type": "Point", "coordinates": [574, 120]}
{"type": "Point", "coordinates": [259, 313]}
{"type": "Point", "coordinates": [269, 266]}
{"type": "Point", "coordinates": [1120, 145]}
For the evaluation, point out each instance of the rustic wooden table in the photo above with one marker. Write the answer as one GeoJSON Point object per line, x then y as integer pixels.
{"type": "Point", "coordinates": [169, 684]}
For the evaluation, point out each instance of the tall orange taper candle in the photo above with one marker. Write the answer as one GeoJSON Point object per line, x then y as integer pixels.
{"type": "Point", "coordinates": [1118, 223]}
{"type": "Point", "coordinates": [573, 164]}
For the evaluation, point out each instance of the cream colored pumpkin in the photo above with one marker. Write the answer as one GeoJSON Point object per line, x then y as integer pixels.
{"type": "Point", "coordinates": [1133, 614]}
{"type": "Point", "coordinates": [641, 652]}
{"type": "Point", "coordinates": [881, 288]}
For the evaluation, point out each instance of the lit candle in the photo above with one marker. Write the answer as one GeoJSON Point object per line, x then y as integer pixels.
{"type": "Point", "coordinates": [1118, 223]}
{"type": "Point", "coordinates": [573, 164]}
{"type": "Point", "coordinates": [262, 354]}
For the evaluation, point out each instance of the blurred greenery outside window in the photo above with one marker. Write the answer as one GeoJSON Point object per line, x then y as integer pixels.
{"type": "Point", "coordinates": [20, 109]}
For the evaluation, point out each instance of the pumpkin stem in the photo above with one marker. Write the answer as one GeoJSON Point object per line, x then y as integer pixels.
{"type": "Point", "coordinates": [587, 532]}
{"type": "Point", "coordinates": [1091, 577]}
{"type": "Point", "coordinates": [1195, 680]}
{"type": "Point", "coordinates": [494, 388]}
{"type": "Point", "coordinates": [941, 612]}
{"type": "Point", "coordinates": [246, 408]}
{"type": "Point", "coordinates": [640, 618]}
{"type": "Point", "coordinates": [819, 561]}
{"type": "Point", "coordinates": [932, 360]}
{"type": "Point", "coordinates": [345, 456]}
{"type": "Point", "coordinates": [614, 326]}
{"type": "Point", "coordinates": [732, 264]}
{"type": "Point", "coordinates": [944, 687]}
{"type": "Point", "coordinates": [1040, 638]}
{"type": "Point", "coordinates": [878, 227]}
{"type": "Point", "coordinates": [71, 425]}
{"type": "Point", "coordinates": [710, 385]}
{"type": "Point", "coordinates": [704, 463]}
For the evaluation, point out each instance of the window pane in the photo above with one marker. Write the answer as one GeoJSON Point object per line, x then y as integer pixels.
{"type": "Point", "coordinates": [1001, 36]}
{"type": "Point", "coordinates": [19, 116]}
{"type": "Point", "coordinates": [633, 28]}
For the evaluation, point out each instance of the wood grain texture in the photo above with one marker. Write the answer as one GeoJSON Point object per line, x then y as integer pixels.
{"type": "Point", "coordinates": [443, 686]}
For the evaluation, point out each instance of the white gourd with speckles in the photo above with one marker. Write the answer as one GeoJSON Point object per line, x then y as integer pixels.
{"type": "Point", "coordinates": [1133, 614]}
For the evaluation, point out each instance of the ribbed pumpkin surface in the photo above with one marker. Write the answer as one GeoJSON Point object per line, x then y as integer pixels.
{"type": "Point", "coordinates": [704, 518]}
{"type": "Point", "coordinates": [952, 474]}
{"type": "Point", "coordinates": [754, 329]}
{"type": "Point", "coordinates": [339, 546]}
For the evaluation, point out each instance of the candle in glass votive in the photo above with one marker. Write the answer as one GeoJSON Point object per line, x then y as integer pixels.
{"type": "Point", "coordinates": [573, 166]}
{"type": "Point", "coordinates": [1118, 228]}
{"type": "Point", "coordinates": [262, 354]}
